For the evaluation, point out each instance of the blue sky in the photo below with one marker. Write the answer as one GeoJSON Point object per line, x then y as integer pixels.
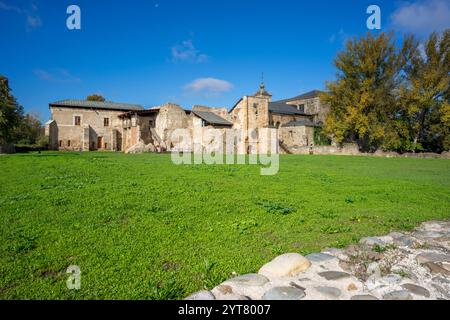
{"type": "Point", "coordinates": [187, 52]}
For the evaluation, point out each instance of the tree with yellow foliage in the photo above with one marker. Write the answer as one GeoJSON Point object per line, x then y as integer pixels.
{"type": "Point", "coordinates": [390, 98]}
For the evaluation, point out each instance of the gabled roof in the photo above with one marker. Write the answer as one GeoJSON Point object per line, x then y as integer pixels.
{"type": "Point", "coordinates": [304, 96]}
{"type": "Point", "coordinates": [212, 118]}
{"type": "Point", "coordinates": [283, 108]}
{"type": "Point", "coordinates": [107, 105]}
{"type": "Point", "coordinates": [299, 123]}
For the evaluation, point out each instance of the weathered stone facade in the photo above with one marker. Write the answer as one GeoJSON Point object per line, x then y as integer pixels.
{"type": "Point", "coordinates": [87, 125]}
{"type": "Point", "coordinates": [76, 127]}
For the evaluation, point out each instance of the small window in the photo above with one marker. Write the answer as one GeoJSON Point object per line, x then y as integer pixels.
{"type": "Point", "coordinates": [151, 123]}
{"type": "Point", "coordinates": [77, 120]}
{"type": "Point", "coordinates": [106, 145]}
{"type": "Point", "coordinates": [60, 143]}
{"type": "Point", "coordinates": [106, 122]}
{"type": "Point", "coordinates": [68, 143]}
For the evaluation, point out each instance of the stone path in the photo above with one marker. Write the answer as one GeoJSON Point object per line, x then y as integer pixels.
{"type": "Point", "coordinates": [399, 266]}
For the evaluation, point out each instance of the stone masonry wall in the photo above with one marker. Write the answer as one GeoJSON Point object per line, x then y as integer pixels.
{"type": "Point", "coordinates": [399, 266]}
{"type": "Point", "coordinates": [68, 131]}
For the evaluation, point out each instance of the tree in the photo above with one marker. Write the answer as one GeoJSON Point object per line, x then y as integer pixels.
{"type": "Point", "coordinates": [29, 131]}
{"type": "Point", "coordinates": [362, 99]}
{"type": "Point", "coordinates": [10, 111]}
{"type": "Point", "coordinates": [424, 99]}
{"type": "Point", "coordinates": [95, 97]}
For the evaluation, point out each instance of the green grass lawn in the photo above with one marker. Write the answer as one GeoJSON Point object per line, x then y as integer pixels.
{"type": "Point", "coordinates": [140, 227]}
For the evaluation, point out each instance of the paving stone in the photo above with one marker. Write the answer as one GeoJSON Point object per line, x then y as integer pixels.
{"type": "Point", "coordinates": [372, 241]}
{"type": "Point", "coordinates": [338, 253]}
{"type": "Point", "coordinates": [398, 295]}
{"type": "Point", "coordinates": [251, 279]}
{"type": "Point", "coordinates": [353, 250]}
{"type": "Point", "coordinates": [442, 291]}
{"type": "Point", "coordinates": [441, 280]}
{"type": "Point", "coordinates": [417, 290]}
{"type": "Point", "coordinates": [320, 257]}
{"type": "Point", "coordinates": [201, 295]}
{"type": "Point", "coordinates": [374, 268]}
{"type": "Point", "coordinates": [284, 293]}
{"type": "Point", "coordinates": [404, 241]}
{"type": "Point", "coordinates": [363, 297]}
{"type": "Point", "coordinates": [346, 266]}
{"type": "Point", "coordinates": [286, 265]}
{"type": "Point", "coordinates": [293, 284]}
{"type": "Point", "coordinates": [432, 257]}
{"type": "Point", "coordinates": [396, 235]}
{"type": "Point", "coordinates": [330, 292]}
{"type": "Point", "coordinates": [436, 268]}
{"type": "Point", "coordinates": [428, 234]}
{"type": "Point", "coordinates": [391, 279]}
{"type": "Point", "coordinates": [334, 275]}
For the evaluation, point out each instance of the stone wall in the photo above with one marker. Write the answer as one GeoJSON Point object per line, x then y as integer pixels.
{"type": "Point", "coordinates": [350, 149]}
{"type": "Point", "coordinates": [314, 106]}
{"type": "Point", "coordinates": [297, 137]}
{"type": "Point", "coordinates": [51, 132]}
{"type": "Point", "coordinates": [398, 266]}
{"type": "Point", "coordinates": [346, 149]}
{"type": "Point", "coordinates": [73, 137]}
{"type": "Point", "coordinates": [169, 118]}
{"type": "Point", "coordinates": [278, 120]}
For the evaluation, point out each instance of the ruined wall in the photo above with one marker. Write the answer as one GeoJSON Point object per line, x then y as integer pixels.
{"type": "Point", "coordinates": [51, 132]}
{"type": "Point", "coordinates": [169, 118]}
{"type": "Point", "coordinates": [294, 137]}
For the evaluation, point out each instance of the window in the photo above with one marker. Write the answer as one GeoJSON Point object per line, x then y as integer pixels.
{"type": "Point", "coordinates": [68, 143]}
{"type": "Point", "coordinates": [301, 107]}
{"type": "Point", "coordinates": [106, 145]}
{"type": "Point", "coordinates": [60, 143]}
{"type": "Point", "coordinates": [151, 123]}
{"type": "Point", "coordinates": [77, 120]}
{"type": "Point", "coordinates": [255, 106]}
{"type": "Point", "coordinates": [106, 122]}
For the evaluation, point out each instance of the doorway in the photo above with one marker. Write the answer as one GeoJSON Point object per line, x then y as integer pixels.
{"type": "Point", "coordinates": [99, 142]}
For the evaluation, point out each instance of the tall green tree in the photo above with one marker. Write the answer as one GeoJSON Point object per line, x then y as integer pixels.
{"type": "Point", "coordinates": [362, 99]}
{"type": "Point", "coordinates": [424, 99]}
{"type": "Point", "coordinates": [10, 111]}
{"type": "Point", "coordinates": [29, 131]}
{"type": "Point", "coordinates": [95, 97]}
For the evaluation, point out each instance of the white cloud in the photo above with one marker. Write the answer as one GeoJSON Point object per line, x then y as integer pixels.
{"type": "Point", "coordinates": [186, 51]}
{"type": "Point", "coordinates": [422, 17]}
{"type": "Point", "coordinates": [33, 19]}
{"type": "Point", "coordinates": [209, 86]}
{"type": "Point", "coordinates": [7, 7]}
{"type": "Point", "coordinates": [58, 75]}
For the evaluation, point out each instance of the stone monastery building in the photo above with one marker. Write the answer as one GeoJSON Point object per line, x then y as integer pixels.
{"type": "Point", "coordinates": [91, 125]}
